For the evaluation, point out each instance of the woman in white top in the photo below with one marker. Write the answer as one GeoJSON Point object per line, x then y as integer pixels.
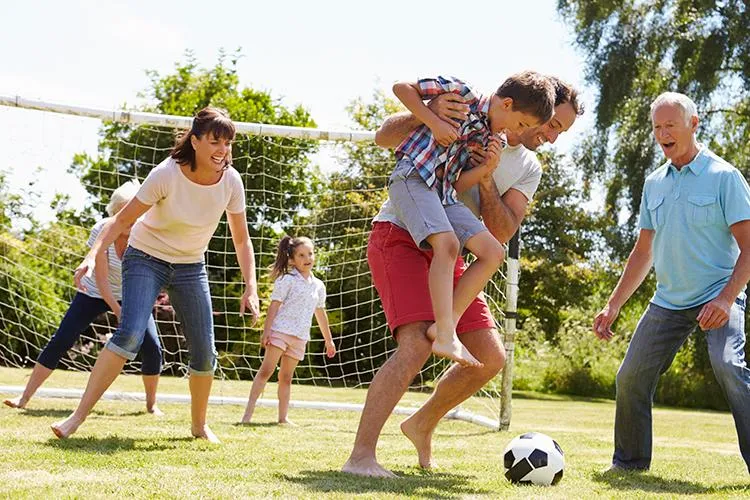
{"type": "Point", "coordinates": [99, 294]}
{"type": "Point", "coordinates": [181, 201]}
{"type": "Point", "coordinates": [297, 296]}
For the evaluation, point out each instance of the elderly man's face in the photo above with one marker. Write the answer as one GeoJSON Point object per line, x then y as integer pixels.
{"type": "Point", "coordinates": [675, 133]}
{"type": "Point", "coordinates": [560, 122]}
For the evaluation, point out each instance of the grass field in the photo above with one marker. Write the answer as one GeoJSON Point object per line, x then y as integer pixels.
{"type": "Point", "coordinates": [123, 452]}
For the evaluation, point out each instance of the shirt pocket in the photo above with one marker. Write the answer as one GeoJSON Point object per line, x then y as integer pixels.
{"type": "Point", "coordinates": [656, 210]}
{"type": "Point", "coordinates": [703, 209]}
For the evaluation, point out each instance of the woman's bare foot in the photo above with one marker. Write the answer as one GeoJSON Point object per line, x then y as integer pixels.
{"type": "Point", "coordinates": [421, 440]}
{"type": "Point", "coordinates": [288, 423]}
{"type": "Point", "coordinates": [206, 433]}
{"type": "Point", "coordinates": [366, 467]}
{"type": "Point", "coordinates": [155, 411]}
{"type": "Point", "coordinates": [66, 428]}
{"type": "Point", "coordinates": [16, 403]}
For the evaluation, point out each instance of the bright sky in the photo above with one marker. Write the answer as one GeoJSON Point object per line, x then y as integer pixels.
{"type": "Point", "coordinates": [321, 54]}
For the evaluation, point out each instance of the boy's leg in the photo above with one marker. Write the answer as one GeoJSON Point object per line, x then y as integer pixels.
{"type": "Point", "coordinates": [286, 374]}
{"type": "Point", "coordinates": [267, 367]}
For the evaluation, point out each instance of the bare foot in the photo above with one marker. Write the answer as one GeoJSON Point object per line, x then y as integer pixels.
{"type": "Point", "coordinates": [15, 403]}
{"type": "Point", "coordinates": [288, 423]}
{"type": "Point", "coordinates": [421, 440]}
{"type": "Point", "coordinates": [431, 332]}
{"type": "Point", "coordinates": [65, 428]}
{"type": "Point", "coordinates": [206, 433]}
{"type": "Point", "coordinates": [366, 467]}
{"type": "Point", "coordinates": [155, 411]}
{"type": "Point", "coordinates": [453, 349]}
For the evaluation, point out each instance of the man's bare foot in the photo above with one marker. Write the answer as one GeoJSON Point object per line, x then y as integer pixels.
{"type": "Point", "coordinates": [453, 349]}
{"type": "Point", "coordinates": [206, 433]}
{"type": "Point", "coordinates": [366, 467]}
{"type": "Point", "coordinates": [66, 428]}
{"type": "Point", "coordinates": [155, 411]}
{"type": "Point", "coordinates": [288, 423]}
{"type": "Point", "coordinates": [421, 440]}
{"type": "Point", "coordinates": [15, 403]}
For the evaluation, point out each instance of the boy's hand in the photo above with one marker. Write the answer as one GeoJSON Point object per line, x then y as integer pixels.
{"type": "Point", "coordinates": [492, 155]}
{"type": "Point", "coordinates": [449, 107]}
{"type": "Point", "coordinates": [444, 132]}
{"type": "Point", "coordinates": [330, 349]}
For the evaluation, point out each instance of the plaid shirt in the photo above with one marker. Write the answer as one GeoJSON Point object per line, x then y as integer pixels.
{"type": "Point", "coordinates": [428, 156]}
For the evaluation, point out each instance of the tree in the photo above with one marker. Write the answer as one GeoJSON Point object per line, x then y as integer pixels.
{"type": "Point", "coordinates": [637, 49]}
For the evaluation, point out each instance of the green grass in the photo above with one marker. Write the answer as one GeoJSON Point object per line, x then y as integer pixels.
{"type": "Point", "coordinates": [123, 452]}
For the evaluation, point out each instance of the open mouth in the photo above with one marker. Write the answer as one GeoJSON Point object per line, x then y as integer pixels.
{"type": "Point", "coordinates": [668, 146]}
{"type": "Point", "coordinates": [219, 160]}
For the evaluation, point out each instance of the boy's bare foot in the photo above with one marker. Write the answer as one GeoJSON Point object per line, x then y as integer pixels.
{"type": "Point", "coordinates": [66, 428]}
{"type": "Point", "coordinates": [206, 433]}
{"type": "Point", "coordinates": [155, 411]}
{"type": "Point", "coordinates": [366, 467]}
{"type": "Point", "coordinates": [15, 403]}
{"type": "Point", "coordinates": [431, 332]}
{"type": "Point", "coordinates": [421, 440]}
{"type": "Point", "coordinates": [453, 349]}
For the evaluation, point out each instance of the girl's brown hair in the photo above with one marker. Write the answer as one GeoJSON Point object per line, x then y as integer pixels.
{"type": "Point", "coordinates": [287, 246]}
{"type": "Point", "coordinates": [209, 120]}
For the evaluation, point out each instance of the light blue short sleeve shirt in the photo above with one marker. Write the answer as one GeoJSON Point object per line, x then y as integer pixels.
{"type": "Point", "coordinates": [690, 210]}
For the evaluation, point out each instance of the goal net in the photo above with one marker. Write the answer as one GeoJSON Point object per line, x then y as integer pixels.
{"type": "Point", "coordinates": [326, 185]}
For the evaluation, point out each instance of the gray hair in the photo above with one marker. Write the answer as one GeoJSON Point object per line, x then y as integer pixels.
{"type": "Point", "coordinates": [122, 196]}
{"type": "Point", "coordinates": [686, 105]}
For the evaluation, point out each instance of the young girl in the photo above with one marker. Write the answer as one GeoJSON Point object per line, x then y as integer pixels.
{"type": "Point", "coordinates": [296, 296]}
{"type": "Point", "coordinates": [183, 199]}
{"type": "Point", "coordinates": [100, 293]}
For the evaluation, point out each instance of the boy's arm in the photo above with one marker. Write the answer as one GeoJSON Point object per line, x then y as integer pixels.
{"type": "Point", "coordinates": [448, 107]}
{"type": "Point", "coordinates": [409, 94]}
{"type": "Point", "coordinates": [469, 178]}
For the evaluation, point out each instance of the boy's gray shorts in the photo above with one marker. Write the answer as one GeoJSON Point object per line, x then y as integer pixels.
{"type": "Point", "coordinates": [420, 209]}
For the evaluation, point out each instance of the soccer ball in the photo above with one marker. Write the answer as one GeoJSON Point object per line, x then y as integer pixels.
{"type": "Point", "coordinates": [534, 458]}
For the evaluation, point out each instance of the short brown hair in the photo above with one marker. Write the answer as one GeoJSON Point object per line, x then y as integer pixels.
{"type": "Point", "coordinates": [209, 120]}
{"type": "Point", "coordinates": [565, 93]}
{"type": "Point", "coordinates": [532, 94]}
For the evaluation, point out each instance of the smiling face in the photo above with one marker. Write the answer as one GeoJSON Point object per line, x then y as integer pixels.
{"type": "Point", "coordinates": [675, 133]}
{"type": "Point", "coordinates": [303, 257]}
{"type": "Point", "coordinates": [212, 152]}
{"type": "Point", "coordinates": [564, 117]}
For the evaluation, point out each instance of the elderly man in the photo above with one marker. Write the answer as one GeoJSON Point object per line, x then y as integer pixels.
{"type": "Point", "coordinates": [695, 228]}
{"type": "Point", "coordinates": [400, 269]}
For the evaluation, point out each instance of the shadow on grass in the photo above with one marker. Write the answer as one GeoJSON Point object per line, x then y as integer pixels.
{"type": "Point", "coordinates": [116, 444]}
{"type": "Point", "coordinates": [420, 483]}
{"type": "Point", "coordinates": [252, 425]}
{"type": "Point", "coordinates": [30, 412]}
{"type": "Point", "coordinates": [644, 481]}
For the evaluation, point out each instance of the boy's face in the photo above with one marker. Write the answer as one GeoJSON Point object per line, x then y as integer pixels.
{"type": "Point", "coordinates": [502, 117]}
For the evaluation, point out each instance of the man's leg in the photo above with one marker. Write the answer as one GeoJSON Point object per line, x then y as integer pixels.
{"type": "Point", "coordinates": [386, 389]}
{"type": "Point", "coordinates": [726, 348]}
{"type": "Point", "coordinates": [656, 340]}
{"type": "Point", "coordinates": [455, 386]}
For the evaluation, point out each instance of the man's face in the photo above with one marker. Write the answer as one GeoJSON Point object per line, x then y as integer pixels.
{"type": "Point", "coordinates": [674, 133]}
{"type": "Point", "coordinates": [560, 122]}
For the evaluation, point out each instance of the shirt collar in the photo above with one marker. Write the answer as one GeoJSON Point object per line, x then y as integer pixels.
{"type": "Point", "coordinates": [483, 107]}
{"type": "Point", "coordinates": [297, 274]}
{"type": "Point", "coordinates": [697, 166]}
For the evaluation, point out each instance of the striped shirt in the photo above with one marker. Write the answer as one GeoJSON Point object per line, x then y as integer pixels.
{"type": "Point", "coordinates": [115, 268]}
{"type": "Point", "coordinates": [428, 156]}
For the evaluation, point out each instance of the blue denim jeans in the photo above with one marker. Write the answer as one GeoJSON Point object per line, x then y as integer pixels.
{"type": "Point", "coordinates": [143, 276]}
{"type": "Point", "coordinates": [656, 340]}
{"type": "Point", "coordinates": [81, 313]}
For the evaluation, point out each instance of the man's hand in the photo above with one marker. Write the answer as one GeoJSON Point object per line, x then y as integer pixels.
{"type": "Point", "coordinates": [603, 322]}
{"type": "Point", "coordinates": [449, 108]}
{"type": "Point", "coordinates": [714, 314]}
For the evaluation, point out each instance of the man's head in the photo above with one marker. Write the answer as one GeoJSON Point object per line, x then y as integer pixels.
{"type": "Point", "coordinates": [523, 101]}
{"type": "Point", "coordinates": [674, 118]}
{"type": "Point", "coordinates": [567, 109]}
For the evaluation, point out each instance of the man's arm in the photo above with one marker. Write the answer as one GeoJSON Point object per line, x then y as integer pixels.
{"type": "Point", "coordinates": [636, 270]}
{"type": "Point", "coordinates": [501, 214]}
{"type": "Point", "coordinates": [716, 313]}
{"type": "Point", "coordinates": [393, 131]}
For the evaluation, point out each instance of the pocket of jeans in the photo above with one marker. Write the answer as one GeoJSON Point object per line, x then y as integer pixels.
{"type": "Point", "coordinates": [703, 209]}
{"type": "Point", "coordinates": [656, 210]}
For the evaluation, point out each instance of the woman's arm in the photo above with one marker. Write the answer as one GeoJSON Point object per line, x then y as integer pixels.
{"type": "Point", "coordinates": [246, 258]}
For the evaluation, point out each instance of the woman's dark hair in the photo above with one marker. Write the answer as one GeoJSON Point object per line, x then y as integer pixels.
{"type": "Point", "coordinates": [209, 120]}
{"type": "Point", "coordinates": [287, 246]}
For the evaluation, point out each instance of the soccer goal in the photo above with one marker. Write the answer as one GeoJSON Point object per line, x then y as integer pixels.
{"type": "Point", "coordinates": [327, 185]}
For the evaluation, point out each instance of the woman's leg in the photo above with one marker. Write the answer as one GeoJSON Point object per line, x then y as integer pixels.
{"type": "Point", "coordinates": [270, 360]}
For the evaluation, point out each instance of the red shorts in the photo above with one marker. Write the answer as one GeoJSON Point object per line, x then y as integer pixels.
{"type": "Point", "coordinates": [400, 274]}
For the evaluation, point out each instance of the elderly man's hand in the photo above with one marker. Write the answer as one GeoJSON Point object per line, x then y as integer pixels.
{"type": "Point", "coordinates": [714, 314]}
{"type": "Point", "coordinates": [603, 322]}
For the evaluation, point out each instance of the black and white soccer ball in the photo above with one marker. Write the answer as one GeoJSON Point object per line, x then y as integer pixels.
{"type": "Point", "coordinates": [534, 458]}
